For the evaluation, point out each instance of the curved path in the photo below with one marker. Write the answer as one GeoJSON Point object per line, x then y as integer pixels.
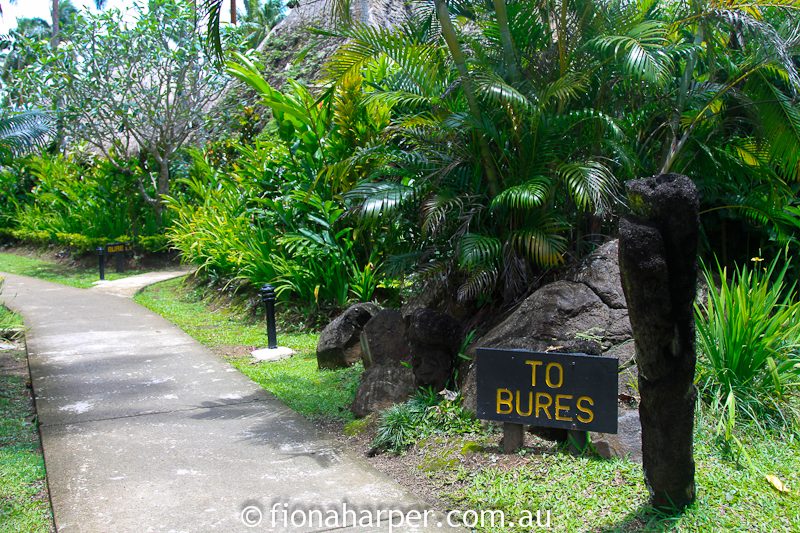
{"type": "Point", "coordinates": [144, 429]}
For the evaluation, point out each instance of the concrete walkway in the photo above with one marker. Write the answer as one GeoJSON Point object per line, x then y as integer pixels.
{"type": "Point", "coordinates": [128, 287]}
{"type": "Point", "coordinates": [146, 430]}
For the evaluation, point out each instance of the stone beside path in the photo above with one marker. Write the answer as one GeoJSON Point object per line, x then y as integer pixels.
{"type": "Point", "coordinates": [144, 429]}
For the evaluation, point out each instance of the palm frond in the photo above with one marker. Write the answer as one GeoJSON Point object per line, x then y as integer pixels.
{"type": "Point", "coordinates": [379, 200]}
{"type": "Point", "coordinates": [780, 116]}
{"type": "Point", "coordinates": [23, 132]}
{"type": "Point", "coordinates": [529, 195]}
{"type": "Point", "coordinates": [475, 250]}
{"type": "Point", "coordinates": [479, 281]}
{"type": "Point", "coordinates": [590, 184]}
{"type": "Point", "coordinates": [543, 244]}
{"type": "Point", "coordinates": [641, 51]}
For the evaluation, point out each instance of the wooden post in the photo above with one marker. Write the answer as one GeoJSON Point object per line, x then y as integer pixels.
{"type": "Point", "coordinates": [658, 266]}
{"type": "Point", "coordinates": [513, 437]}
{"type": "Point", "coordinates": [577, 441]}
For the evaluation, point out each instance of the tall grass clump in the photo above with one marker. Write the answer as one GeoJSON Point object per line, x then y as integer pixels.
{"type": "Point", "coordinates": [749, 334]}
{"type": "Point", "coordinates": [426, 414]}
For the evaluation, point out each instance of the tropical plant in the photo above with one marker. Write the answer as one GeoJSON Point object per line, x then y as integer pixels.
{"type": "Point", "coordinates": [515, 122]}
{"type": "Point", "coordinates": [73, 202]}
{"type": "Point", "coordinates": [258, 225]}
{"type": "Point", "coordinates": [426, 414]}
{"type": "Point", "coordinates": [494, 168]}
{"type": "Point", "coordinates": [749, 338]}
{"type": "Point", "coordinates": [23, 132]}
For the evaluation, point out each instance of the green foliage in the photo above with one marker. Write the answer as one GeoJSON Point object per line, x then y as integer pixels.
{"type": "Point", "coordinates": [426, 414]}
{"type": "Point", "coordinates": [568, 107]}
{"type": "Point", "coordinates": [749, 337]}
{"type": "Point", "coordinates": [275, 214]}
{"type": "Point", "coordinates": [587, 493]}
{"type": "Point", "coordinates": [10, 323]}
{"type": "Point", "coordinates": [148, 97]}
{"type": "Point", "coordinates": [76, 203]}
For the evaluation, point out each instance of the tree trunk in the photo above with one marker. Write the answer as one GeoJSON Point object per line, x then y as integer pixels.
{"type": "Point", "coordinates": [509, 55]}
{"type": "Point", "coordinates": [233, 12]}
{"type": "Point", "coordinates": [451, 39]}
{"type": "Point", "coordinates": [55, 26]}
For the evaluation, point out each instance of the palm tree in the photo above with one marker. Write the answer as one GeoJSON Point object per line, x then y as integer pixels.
{"type": "Point", "coordinates": [570, 100]}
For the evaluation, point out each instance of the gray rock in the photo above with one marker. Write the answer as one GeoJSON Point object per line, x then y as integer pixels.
{"type": "Point", "coordinates": [600, 272]}
{"type": "Point", "coordinates": [339, 343]}
{"type": "Point", "coordinates": [628, 372]}
{"type": "Point", "coordinates": [469, 390]}
{"type": "Point", "coordinates": [626, 443]}
{"type": "Point", "coordinates": [384, 339]}
{"type": "Point", "coordinates": [558, 315]}
{"type": "Point", "coordinates": [434, 339]}
{"type": "Point", "coordinates": [381, 387]}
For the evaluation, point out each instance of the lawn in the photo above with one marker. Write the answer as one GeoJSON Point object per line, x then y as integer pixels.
{"type": "Point", "coordinates": [581, 493]}
{"type": "Point", "coordinates": [24, 505]}
{"type": "Point", "coordinates": [590, 494]}
{"type": "Point", "coordinates": [57, 272]}
{"type": "Point", "coordinates": [296, 381]}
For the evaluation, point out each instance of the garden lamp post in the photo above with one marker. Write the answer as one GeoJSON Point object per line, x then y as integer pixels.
{"type": "Point", "coordinates": [101, 264]}
{"type": "Point", "coordinates": [268, 298]}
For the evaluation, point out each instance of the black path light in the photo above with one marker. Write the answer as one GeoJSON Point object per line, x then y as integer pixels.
{"type": "Point", "coordinates": [101, 261]}
{"type": "Point", "coordinates": [268, 297]}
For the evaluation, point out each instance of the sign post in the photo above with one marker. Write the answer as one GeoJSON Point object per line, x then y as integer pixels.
{"type": "Point", "coordinates": [575, 392]}
{"type": "Point", "coordinates": [119, 251]}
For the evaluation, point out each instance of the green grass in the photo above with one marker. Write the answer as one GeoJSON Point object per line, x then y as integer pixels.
{"type": "Point", "coordinates": [316, 394]}
{"type": "Point", "coordinates": [23, 501]}
{"type": "Point", "coordinates": [589, 494]}
{"type": "Point", "coordinates": [9, 322]}
{"type": "Point", "coordinates": [57, 272]}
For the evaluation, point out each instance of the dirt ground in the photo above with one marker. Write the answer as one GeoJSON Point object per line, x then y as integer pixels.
{"type": "Point", "coordinates": [438, 467]}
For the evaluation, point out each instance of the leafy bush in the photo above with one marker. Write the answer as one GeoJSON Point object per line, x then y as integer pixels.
{"type": "Point", "coordinates": [76, 203]}
{"type": "Point", "coordinates": [749, 336]}
{"type": "Point", "coordinates": [426, 414]}
{"type": "Point", "coordinates": [264, 220]}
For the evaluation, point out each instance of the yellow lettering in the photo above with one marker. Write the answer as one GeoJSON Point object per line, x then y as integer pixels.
{"type": "Point", "coordinates": [530, 405]}
{"type": "Point", "coordinates": [589, 414]}
{"type": "Point", "coordinates": [504, 398]}
{"type": "Point", "coordinates": [560, 407]}
{"type": "Point", "coordinates": [533, 364]}
{"type": "Point", "coordinates": [548, 379]}
{"type": "Point", "coordinates": [543, 406]}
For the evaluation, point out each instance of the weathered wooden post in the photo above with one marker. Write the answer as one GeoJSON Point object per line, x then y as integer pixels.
{"type": "Point", "coordinates": [658, 266]}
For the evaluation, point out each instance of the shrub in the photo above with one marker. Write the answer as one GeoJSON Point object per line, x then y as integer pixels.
{"type": "Point", "coordinates": [75, 202]}
{"type": "Point", "coordinates": [426, 414]}
{"type": "Point", "coordinates": [749, 335]}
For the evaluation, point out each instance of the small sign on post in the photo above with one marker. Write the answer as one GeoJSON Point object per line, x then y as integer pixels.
{"type": "Point", "coordinates": [119, 251]}
{"type": "Point", "coordinates": [575, 392]}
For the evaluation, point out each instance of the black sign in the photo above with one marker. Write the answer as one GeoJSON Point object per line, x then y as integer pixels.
{"type": "Point", "coordinates": [570, 391]}
{"type": "Point", "coordinates": [117, 248]}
